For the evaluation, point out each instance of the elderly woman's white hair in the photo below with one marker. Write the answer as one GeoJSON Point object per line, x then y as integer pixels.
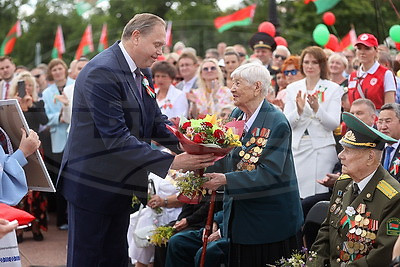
{"type": "Point", "coordinates": [340, 57]}
{"type": "Point", "coordinates": [252, 73]}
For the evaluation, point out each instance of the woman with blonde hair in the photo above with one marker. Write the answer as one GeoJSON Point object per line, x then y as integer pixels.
{"type": "Point", "coordinates": [211, 94]}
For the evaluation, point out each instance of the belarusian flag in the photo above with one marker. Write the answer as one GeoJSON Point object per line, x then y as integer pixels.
{"type": "Point", "coordinates": [86, 44]}
{"type": "Point", "coordinates": [324, 5]}
{"type": "Point", "coordinates": [59, 46]}
{"type": "Point", "coordinates": [8, 44]}
{"type": "Point", "coordinates": [103, 42]}
{"type": "Point", "coordinates": [241, 17]}
{"type": "Point", "coordinates": [348, 41]}
{"type": "Point", "coordinates": [168, 36]}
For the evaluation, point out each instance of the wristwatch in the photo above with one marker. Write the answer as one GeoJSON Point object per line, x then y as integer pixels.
{"type": "Point", "coordinates": [165, 202]}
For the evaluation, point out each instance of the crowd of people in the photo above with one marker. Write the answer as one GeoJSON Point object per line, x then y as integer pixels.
{"type": "Point", "coordinates": [102, 135]}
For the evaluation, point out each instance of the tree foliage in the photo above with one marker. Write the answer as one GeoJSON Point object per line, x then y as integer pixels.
{"type": "Point", "coordinates": [192, 22]}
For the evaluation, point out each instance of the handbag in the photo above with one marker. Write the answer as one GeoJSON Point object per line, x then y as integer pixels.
{"type": "Point", "coordinates": [143, 234]}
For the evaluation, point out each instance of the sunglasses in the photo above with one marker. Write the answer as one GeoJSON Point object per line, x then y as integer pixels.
{"type": "Point", "coordinates": [209, 69]}
{"type": "Point", "coordinates": [37, 76]}
{"type": "Point", "coordinates": [291, 72]}
{"type": "Point", "coordinates": [279, 56]}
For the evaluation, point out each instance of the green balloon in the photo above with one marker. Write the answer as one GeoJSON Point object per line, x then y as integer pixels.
{"type": "Point", "coordinates": [321, 34]}
{"type": "Point", "coordinates": [394, 33]}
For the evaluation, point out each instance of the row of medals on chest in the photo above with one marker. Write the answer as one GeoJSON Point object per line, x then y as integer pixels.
{"type": "Point", "coordinates": [361, 234]}
{"type": "Point", "coordinates": [252, 150]}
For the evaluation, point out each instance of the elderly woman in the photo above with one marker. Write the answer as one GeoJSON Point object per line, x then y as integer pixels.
{"type": "Point", "coordinates": [172, 101]}
{"type": "Point", "coordinates": [313, 110]}
{"type": "Point", "coordinates": [58, 72]}
{"type": "Point", "coordinates": [211, 94]}
{"type": "Point", "coordinates": [337, 64]}
{"type": "Point", "coordinates": [371, 80]}
{"type": "Point", "coordinates": [262, 210]}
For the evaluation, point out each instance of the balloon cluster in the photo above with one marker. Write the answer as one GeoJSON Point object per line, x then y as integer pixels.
{"type": "Point", "coordinates": [269, 28]}
{"type": "Point", "coordinates": [394, 33]}
{"type": "Point", "coordinates": [321, 33]}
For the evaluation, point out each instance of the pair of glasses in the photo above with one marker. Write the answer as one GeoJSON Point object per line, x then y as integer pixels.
{"type": "Point", "coordinates": [37, 76]}
{"type": "Point", "coordinates": [209, 68]}
{"type": "Point", "coordinates": [280, 56]}
{"type": "Point", "coordinates": [241, 54]}
{"type": "Point", "coordinates": [291, 72]}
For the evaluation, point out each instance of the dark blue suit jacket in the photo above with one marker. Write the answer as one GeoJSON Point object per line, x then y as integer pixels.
{"type": "Point", "coordinates": [108, 155]}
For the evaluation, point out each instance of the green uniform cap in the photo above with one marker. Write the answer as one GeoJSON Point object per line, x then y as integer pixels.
{"type": "Point", "coordinates": [360, 135]}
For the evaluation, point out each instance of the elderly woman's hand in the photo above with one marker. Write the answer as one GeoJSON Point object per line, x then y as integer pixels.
{"type": "Point", "coordinates": [313, 101]}
{"type": "Point", "coordinates": [216, 180]}
{"type": "Point", "coordinates": [300, 102]}
{"type": "Point", "coordinates": [155, 202]}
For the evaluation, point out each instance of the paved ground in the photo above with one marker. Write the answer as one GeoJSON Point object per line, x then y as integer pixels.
{"type": "Point", "coordinates": [51, 252]}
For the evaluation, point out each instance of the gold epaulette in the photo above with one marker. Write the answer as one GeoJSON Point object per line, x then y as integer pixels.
{"type": "Point", "coordinates": [344, 177]}
{"type": "Point", "coordinates": [387, 189]}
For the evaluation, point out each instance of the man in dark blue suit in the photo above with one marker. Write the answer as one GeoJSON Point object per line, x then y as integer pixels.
{"type": "Point", "coordinates": [108, 155]}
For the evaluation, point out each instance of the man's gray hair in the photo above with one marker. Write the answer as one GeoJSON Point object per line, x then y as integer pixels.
{"type": "Point", "coordinates": [252, 73]}
{"type": "Point", "coordinates": [144, 23]}
{"type": "Point", "coordinates": [392, 106]}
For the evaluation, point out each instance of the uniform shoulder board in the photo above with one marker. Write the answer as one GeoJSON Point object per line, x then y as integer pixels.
{"type": "Point", "coordinates": [344, 177]}
{"type": "Point", "coordinates": [387, 189]}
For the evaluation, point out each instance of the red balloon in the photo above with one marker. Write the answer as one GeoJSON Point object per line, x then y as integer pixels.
{"type": "Point", "coordinates": [267, 27]}
{"type": "Point", "coordinates": [398, 46]}
{"type": "Point", "coordinates": [333, 43]}
{"type": "Point", "coordinates": [329, 18]}
{"type": "Point", "coordinates": [279, 40]}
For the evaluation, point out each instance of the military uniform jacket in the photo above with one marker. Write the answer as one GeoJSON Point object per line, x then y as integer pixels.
{"type": "Point", "coordinates": [365, 237]}
{"type": "Point", "coordinates": [261, 199]}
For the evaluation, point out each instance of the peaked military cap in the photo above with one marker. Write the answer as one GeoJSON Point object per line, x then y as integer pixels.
{"type": "Point", "coordinates": [360, 135]}
{"type": "Point", "coordinates": [262, 40]}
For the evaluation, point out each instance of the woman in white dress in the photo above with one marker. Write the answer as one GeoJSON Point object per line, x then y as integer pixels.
{"type": "Point", "coordinates": [172, 101]}
{"type": "Point", "coordinates": [313, 110]}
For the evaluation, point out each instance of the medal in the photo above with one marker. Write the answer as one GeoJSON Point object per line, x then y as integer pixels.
{"type": "Point", "coordinates": [241, 153]}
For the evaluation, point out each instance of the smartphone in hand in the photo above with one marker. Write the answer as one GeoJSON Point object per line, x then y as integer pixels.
{"type": "Point", "coordinates": [21, 89]}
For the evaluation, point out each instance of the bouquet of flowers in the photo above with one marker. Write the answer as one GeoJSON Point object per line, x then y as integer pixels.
{"type": "Point", "coordinates": [297, 259]}
{"type": "Point", "coordinates": [208, 135]}
{"type": "Point", "coordinates": [204, 136]}
{"type": "Point", "coordinates": [161, 235]}
{"type": "Point", "coordinates": [190, 185]}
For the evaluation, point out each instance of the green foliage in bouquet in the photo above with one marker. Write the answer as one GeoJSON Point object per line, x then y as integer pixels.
{"type": "Point", "coordinates": [190, 185]}
{"type": "Point", "coordinates": [161, 235]}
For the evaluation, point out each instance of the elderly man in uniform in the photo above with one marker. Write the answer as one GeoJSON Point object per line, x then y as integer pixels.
{"type": "Point", "coordinates": [263, 45]}
{"type": "Point", "coordinates": [363, 220]}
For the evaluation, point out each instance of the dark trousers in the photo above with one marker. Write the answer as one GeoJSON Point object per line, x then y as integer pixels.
{"type": "Point", "coordinates": [241, 255]}
{"type": "Point", "coordinates": [185, 248]}
{"type": "Point", "coordinates": [96, 239]}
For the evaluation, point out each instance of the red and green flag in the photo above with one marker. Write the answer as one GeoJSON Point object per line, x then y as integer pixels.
{"type": "Point", "coordinates": [103, 42]}
{"type": "Point", "coordinates": [8, 44]}
{"type": "Point", "coordinates": [168, 36]}
{"type": "Point", "coordinates": [59, 46]}
{"type": "Point", "coordinates": [324, 5]}
{"type": "Point", "coordinates": [86, 44]}
{"type": "Point", "coordinates": [348, 40]}
{"type": "Point", "coordinates": [242, 17]}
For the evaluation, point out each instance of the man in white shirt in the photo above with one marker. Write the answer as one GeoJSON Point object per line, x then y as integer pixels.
{"type": "Point", "coordinates": [7, 70]}
{"type": "Point", "coordinates": [187, 67]}
{"type": "Point", "coordinates": [389, 124]}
